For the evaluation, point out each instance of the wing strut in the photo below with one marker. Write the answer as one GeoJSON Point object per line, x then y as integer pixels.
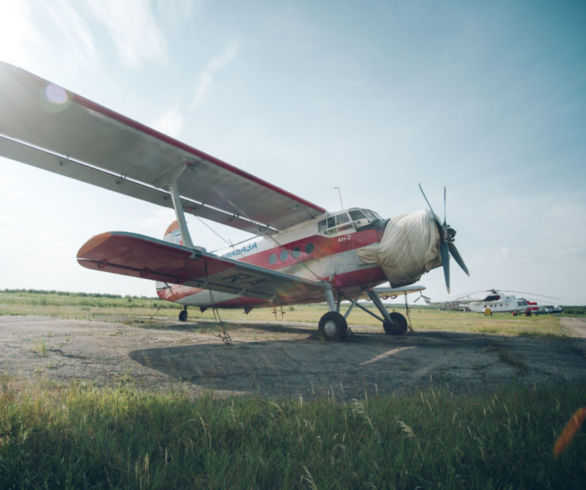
{"type": "Point", "coordinates": [178, 207]}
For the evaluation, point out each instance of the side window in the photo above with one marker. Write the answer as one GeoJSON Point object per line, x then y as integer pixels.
{"type": "Point", "coordinates": [356, 215]}
{"type": "Point", "coordinates": [321, 226]}
{"type": "Point", "coordinates": [342, 218]}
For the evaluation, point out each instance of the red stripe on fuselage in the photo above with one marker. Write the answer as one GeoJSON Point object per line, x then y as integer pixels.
{"type": "Point", "coordinates": [311, 248]}
{"type": "Point", "coordinates": [308, 248]}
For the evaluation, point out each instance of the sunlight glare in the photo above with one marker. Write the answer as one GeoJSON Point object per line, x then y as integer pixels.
{"type": "Point", "coordinates": [56, 94]}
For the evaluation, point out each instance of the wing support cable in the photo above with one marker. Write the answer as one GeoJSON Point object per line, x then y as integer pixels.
{"type": "Point", "coordinates": [222, 332]}
{"type": "Point", "coordinates": [215, 232]}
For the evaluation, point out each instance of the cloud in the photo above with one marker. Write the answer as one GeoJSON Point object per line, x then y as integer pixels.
{"type": "Point", "coordinates": [74, 30]}
{"type": "Point", "coordinates": [169, 123]}
{"type": "Point", "coordinates": [175, 13]}
{"type": "Point", "coordinates": [16, 31]}
{"type": "Point", "coordinates": [206, 79]}
{"type": "Point", "coordinates": [133, 28]}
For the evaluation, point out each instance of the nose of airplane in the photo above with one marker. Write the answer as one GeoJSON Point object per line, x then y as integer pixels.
{"type": "Point", "coordinates": [412, 244]}
{"type": "Point", "coordinates": [409, 247]}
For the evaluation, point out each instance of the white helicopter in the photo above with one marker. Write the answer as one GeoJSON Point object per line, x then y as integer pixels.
{"type": "Point", "coordinates": [495, 301]}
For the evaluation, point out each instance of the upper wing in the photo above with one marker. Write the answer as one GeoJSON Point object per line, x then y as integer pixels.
{"type": "Point", "coordinates": [140, 256]}
{"type": "Point", "coordinates": [49, 127]}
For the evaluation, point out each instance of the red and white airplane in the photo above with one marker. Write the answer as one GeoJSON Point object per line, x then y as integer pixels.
{"type": "Point", "coordinates": [301, 253]}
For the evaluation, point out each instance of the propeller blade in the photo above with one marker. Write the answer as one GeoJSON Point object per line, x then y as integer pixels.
{"type": "Point", "coordinates": [444, 250]}
{"type": "Point", "coordinates": [444, 205]}
{"type": "Point", "coordinates": [435, 216]}
{"type": "Point", "coordinates": [458, 257]}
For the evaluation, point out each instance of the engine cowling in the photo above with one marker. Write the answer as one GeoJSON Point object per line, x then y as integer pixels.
{"type": "Point", "coordinates": [409, 247]}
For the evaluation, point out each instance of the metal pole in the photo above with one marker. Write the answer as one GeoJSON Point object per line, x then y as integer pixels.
{"type": "Point", "coordinates": [340, 196]}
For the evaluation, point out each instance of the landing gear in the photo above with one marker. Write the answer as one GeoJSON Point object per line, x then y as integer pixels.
{"type": "Point", "coordinates": [397, 325]}
{"type": "Point", "coordinates": [333, 326]}
{"type": "Point", "coordinates": [183, 314]}
{"type": "Point", "coordinates": [394, 323]}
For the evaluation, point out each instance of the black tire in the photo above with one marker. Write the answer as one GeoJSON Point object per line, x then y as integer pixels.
{"type": "Point", "coordinates": [333, 326]}
{"type": "Point", "coordinates": [183, 316]}
{"type": "Point", "coordinates": [398, 325]}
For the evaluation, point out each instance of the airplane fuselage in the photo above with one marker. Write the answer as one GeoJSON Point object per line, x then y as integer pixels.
{"type": "Point", "coordinates": [324, 248]}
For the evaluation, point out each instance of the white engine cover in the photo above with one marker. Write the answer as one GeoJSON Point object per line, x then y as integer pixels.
{"type": "Point", "coordinates": [410, 246]}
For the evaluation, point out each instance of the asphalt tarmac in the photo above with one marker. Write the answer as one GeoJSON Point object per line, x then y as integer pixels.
{"type": "Point", "coordinates": [277, 359]}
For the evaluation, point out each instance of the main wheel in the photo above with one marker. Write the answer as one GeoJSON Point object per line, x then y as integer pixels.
{"type": "Point", "coordinates": [333, 326]}
{"type": "Point", "coordinates": [398, 325]}
{"type": "Point", "coordinates": [183, 316]}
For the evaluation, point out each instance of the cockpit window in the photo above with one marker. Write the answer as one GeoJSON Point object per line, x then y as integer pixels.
{"type": "Point", "coordinates": [342, 218]}
{"type": "Point", "coordinates": [332, 224]}
{"type": "Point", "coordinates": [371, 215]}
{"type": "Point", "coordinates": [365, 218]}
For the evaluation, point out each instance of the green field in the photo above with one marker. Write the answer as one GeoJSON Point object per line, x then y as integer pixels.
{"type": "Point", "coordinates": [113, 308]}
{"type": "Point", "coordinates": [81, 436]}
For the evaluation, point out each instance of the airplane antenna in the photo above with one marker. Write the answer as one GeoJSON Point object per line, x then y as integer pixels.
{"type": "Point", "coordinates": [339, 195]}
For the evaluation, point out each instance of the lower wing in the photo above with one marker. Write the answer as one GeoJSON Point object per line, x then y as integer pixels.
{"type": "Point", "coordinates": [136, 255]}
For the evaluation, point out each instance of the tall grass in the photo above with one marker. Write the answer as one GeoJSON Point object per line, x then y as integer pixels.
{"type": "Point", "coordinates": [82, 437]}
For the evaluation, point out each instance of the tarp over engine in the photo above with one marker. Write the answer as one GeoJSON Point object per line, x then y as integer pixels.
{"type": "Point", "coordinates": [410, 246]}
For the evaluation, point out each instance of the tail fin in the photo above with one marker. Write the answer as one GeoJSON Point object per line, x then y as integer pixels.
{"type": "Point", "coordinates": [173, 234]}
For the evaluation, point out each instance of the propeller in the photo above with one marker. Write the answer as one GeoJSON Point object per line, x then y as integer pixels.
{"type": "Point", "coordinates": [447, 247]}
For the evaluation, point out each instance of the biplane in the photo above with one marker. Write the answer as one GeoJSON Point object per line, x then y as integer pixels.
{"type": "Point", "coordinates": [299, 252]}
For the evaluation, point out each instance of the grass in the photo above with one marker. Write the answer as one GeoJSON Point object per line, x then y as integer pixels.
{"type": "Point", "coordinates": [82, 437]}
{"type": "Point", "coordinates": [116, 308]}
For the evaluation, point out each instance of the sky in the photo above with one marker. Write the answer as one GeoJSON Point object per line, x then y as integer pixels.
{"type": "Point", "coordinates": [485, 98]}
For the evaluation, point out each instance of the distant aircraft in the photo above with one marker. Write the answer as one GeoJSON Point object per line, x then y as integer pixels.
{"type": "Point", "coordinates": [301, 253]}
{"type": "Point", "coordinates": [495, 301]}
